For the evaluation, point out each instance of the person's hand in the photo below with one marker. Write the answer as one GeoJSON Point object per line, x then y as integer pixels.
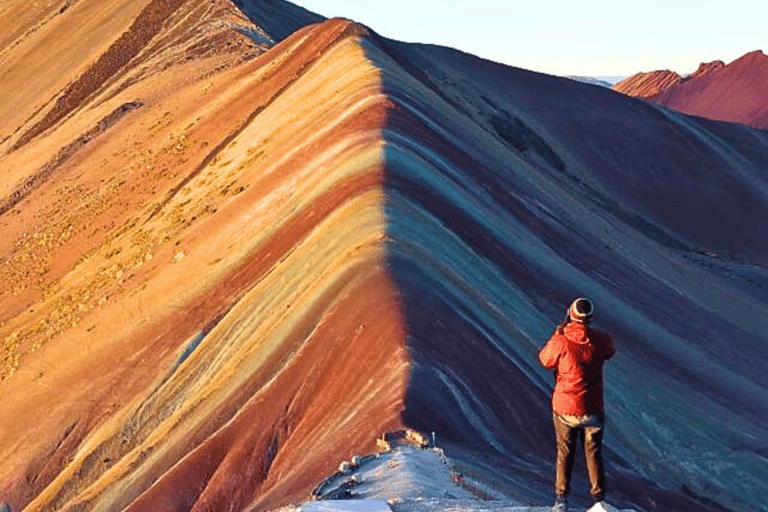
{"type": "Point", "coordinates": [561, 325]}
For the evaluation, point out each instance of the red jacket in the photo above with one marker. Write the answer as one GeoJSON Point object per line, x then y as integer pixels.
{"type": "Point", "coordinates": [577, 356]}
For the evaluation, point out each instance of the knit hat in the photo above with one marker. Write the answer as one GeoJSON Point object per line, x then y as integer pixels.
{"type": "Point", "coordinates": [581, 310]}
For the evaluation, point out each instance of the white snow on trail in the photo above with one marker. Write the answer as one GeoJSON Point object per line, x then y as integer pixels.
{"type": "Point", "coordinates": [404, 473]}
{"type": "Point", "coordinates": [346, 506]}
{"type": "Point", "coordinates": [405, 479]}
{"type": "Point", "coordinates": [433, 505]}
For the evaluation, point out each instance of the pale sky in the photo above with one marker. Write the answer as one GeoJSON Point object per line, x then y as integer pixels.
{"type": "Point", "coordinates": [578, 37]}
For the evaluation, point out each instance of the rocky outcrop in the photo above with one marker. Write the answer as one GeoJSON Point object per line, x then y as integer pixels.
{"type": "Point", "coordinates": [648, 85]}
{"type": "Point", "coordinates": [706, 67]}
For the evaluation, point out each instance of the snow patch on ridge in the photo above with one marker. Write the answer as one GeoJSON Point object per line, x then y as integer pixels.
{"type": "Point", "coordinates": [406, 478]}
{"type": "Point", "coordinates": [406, 472]}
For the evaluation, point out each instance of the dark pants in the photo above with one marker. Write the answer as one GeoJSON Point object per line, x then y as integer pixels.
{"type": "Point", "coordinates": [567, 430]}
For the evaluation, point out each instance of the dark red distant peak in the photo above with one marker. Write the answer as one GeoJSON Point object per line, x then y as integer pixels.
{"type": "Point", "coordinates": [736, 92]}
{"type": "Point", "coordinates": [755, 58]}
{"type": "Point", "coordinates": [756, 53]}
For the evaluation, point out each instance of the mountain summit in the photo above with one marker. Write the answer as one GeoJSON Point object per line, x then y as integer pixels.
{"type": "Point", "coordinates": [240, 243]}
{"type": "Point", "coordinates": [736, 92]}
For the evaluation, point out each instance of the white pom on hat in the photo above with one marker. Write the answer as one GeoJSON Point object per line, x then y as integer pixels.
{"type": "Point", "coordinates": [581, 310]}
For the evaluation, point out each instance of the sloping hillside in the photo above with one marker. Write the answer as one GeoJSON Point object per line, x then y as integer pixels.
{"type": "Point", "coordinates": [232, 260]}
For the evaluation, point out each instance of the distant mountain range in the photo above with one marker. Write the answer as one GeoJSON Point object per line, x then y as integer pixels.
{"type": "Point", "coordinates": [737, 92]}
{"type": "Point", "coordinates": [590, 80]}
{"type": "Point", "coordinates": [604, 81]}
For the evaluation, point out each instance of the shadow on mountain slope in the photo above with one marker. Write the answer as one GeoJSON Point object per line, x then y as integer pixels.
{"type": "Point", "coordinates": [494, 227]}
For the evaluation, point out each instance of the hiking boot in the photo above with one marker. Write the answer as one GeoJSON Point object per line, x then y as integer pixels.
{"type": "Point", "coordinates": [561, 505]}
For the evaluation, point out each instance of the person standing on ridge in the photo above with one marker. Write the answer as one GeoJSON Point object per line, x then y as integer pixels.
{"type": "Point", "coordinates": [576, 353]}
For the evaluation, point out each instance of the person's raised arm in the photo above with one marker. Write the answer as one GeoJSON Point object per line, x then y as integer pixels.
{"type": "Point", "coordinates": [549, 355]}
